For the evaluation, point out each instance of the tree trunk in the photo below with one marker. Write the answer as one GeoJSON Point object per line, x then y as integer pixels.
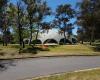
{"type": "Point", "coordinates": [3, 40]}
{"type": "Point", "coordinates": [23, 44]}
{"type": "Point", "coordinates": [30, 32]}
{"type": "Point", "coordinates": [92, 36]}
{"type": "Point", "coordinates": [36, 35]}
{"type": "Point", "coordinates": [20, 37]}
{"type": "Point", "coordinates": [19, 29]}
{"type": "Point", "coordinates": [5, 43]}
{"type": "Point", "coordinates": [82, 40]}
{"type": "Point", "coordinates": [64, 34]}
{"type": "Point", "coordinates": [20, 33]}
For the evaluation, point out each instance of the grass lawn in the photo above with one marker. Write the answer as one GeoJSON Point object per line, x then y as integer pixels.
{"type": "Point", "coordinates": [83, 75]}
{"type": "Point", "coordinates": [71, 50]}
{"type": "Point", "coordinates": [82, 49]}
{"type": "Point", "coordinates": [12, 51]}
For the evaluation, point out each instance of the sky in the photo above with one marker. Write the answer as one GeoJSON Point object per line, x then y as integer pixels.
{"type": "Point", "coordinates": [53, 5]}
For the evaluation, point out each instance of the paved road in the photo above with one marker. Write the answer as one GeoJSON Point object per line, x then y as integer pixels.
{"type": "Point", "coordinates": [19, 69]}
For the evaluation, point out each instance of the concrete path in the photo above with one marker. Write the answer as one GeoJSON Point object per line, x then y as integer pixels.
{"type": "Point", "coordinates": [20, 69]}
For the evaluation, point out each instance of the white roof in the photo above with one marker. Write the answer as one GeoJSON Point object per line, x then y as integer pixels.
{"type": "Point", "coordinates": [52, 34]}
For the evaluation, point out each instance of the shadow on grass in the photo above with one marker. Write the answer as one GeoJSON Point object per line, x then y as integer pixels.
{"type": "Point", "coordinates": [53, 46]}
{"type": "Point", "coordinates": [33, 50]}
{"type": "Point", "coordinates": [13, 46]}
{"type": "Point", "coordinates": [5, 64]}
{"type": "Point", "coordinates": [96, 48]}
{"type": "Point", "coordinates": [2, 53]}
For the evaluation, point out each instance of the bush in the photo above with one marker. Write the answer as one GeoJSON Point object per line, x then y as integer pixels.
{"type": "Point", "coordinates": [97, 41]}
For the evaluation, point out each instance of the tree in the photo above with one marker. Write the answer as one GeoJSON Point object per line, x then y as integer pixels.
{"type": "Point", "coordinates": [17, 16]}
{"type": "Point", "coordinates": [3, 20]}
{"type": "Point", "coordinates": [88, 18]}
{"type": "Point", "coordinates": [64, 13]}
{"type": "Point", "coordinates": [80, 32]}
{"type": "Point", "coordinates": [19, 22]}
{"type": "Point", "coordinates": [36, 11]}
{"type": "Point", "coordinates": [31, 10]}
{"type": "Point", "coordinates": [43, 10]}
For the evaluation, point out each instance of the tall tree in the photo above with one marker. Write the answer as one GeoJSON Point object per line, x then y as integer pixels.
{"type": "Point", "coordinates": [31, 10]}
{"type": "Point", "coordinates": [12, 12]}
{"type": "Point", "coordinates": [36, 10]}
{"type": "Point", "coordinates": [4, 20]}
{"type": "Point", "coordinates": [19, 22]}
{"type": "Point", "coordinates": [42, 10]}
{"type": "Point", "coordinates": [64, 13]}
{"type": "Point", "coordinates": [17, 16]}
{"type": "Point", "coordinates": [88, 17]}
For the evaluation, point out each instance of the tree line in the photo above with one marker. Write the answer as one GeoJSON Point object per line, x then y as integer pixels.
{"type": "Point", "coordinates": [88, 18]}
{"type": "Point", "coordinates": [25, 18]}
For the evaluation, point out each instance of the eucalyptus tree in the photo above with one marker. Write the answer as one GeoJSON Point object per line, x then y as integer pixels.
{"type": "Point", "coordinates": [64, 13]}
{"type": "Point", "coordinates": [81, 35]}
{"type": "Point", "coordinates": [96, 14]}
{"type": "Point", "coordinates": [12, 12]}
{"type": "Point", "coordinates": [17, 16]}
{"type": "Point", "coordinates": [36, 10]}
{"type": "Point", "coordinates": [20, 19]}
{"type": "Point", "coordinates": [42, 11]}
{"type": "Point", "coordinates": [4, 20]}
{"type": "Point", "coordinates": [31, 10]}
{"type": "Point", "coordinates": [89, 17]}
{"type": "Point", "coordinates": [46, 26]}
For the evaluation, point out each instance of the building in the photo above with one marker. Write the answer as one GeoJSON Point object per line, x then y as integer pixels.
{"type": "Point", "coordinates": [53, 36]}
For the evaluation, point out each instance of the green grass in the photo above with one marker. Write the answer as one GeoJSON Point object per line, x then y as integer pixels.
{"type": "Point", "coordinates": [12, 51]}
{"type": "Point", "coordinates": [83, 75]}
{"type": "Point", "coordinates": [71, 48]}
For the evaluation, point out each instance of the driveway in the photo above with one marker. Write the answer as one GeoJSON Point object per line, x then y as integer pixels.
{"type": "Point", "coordinates": [27, 68]}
